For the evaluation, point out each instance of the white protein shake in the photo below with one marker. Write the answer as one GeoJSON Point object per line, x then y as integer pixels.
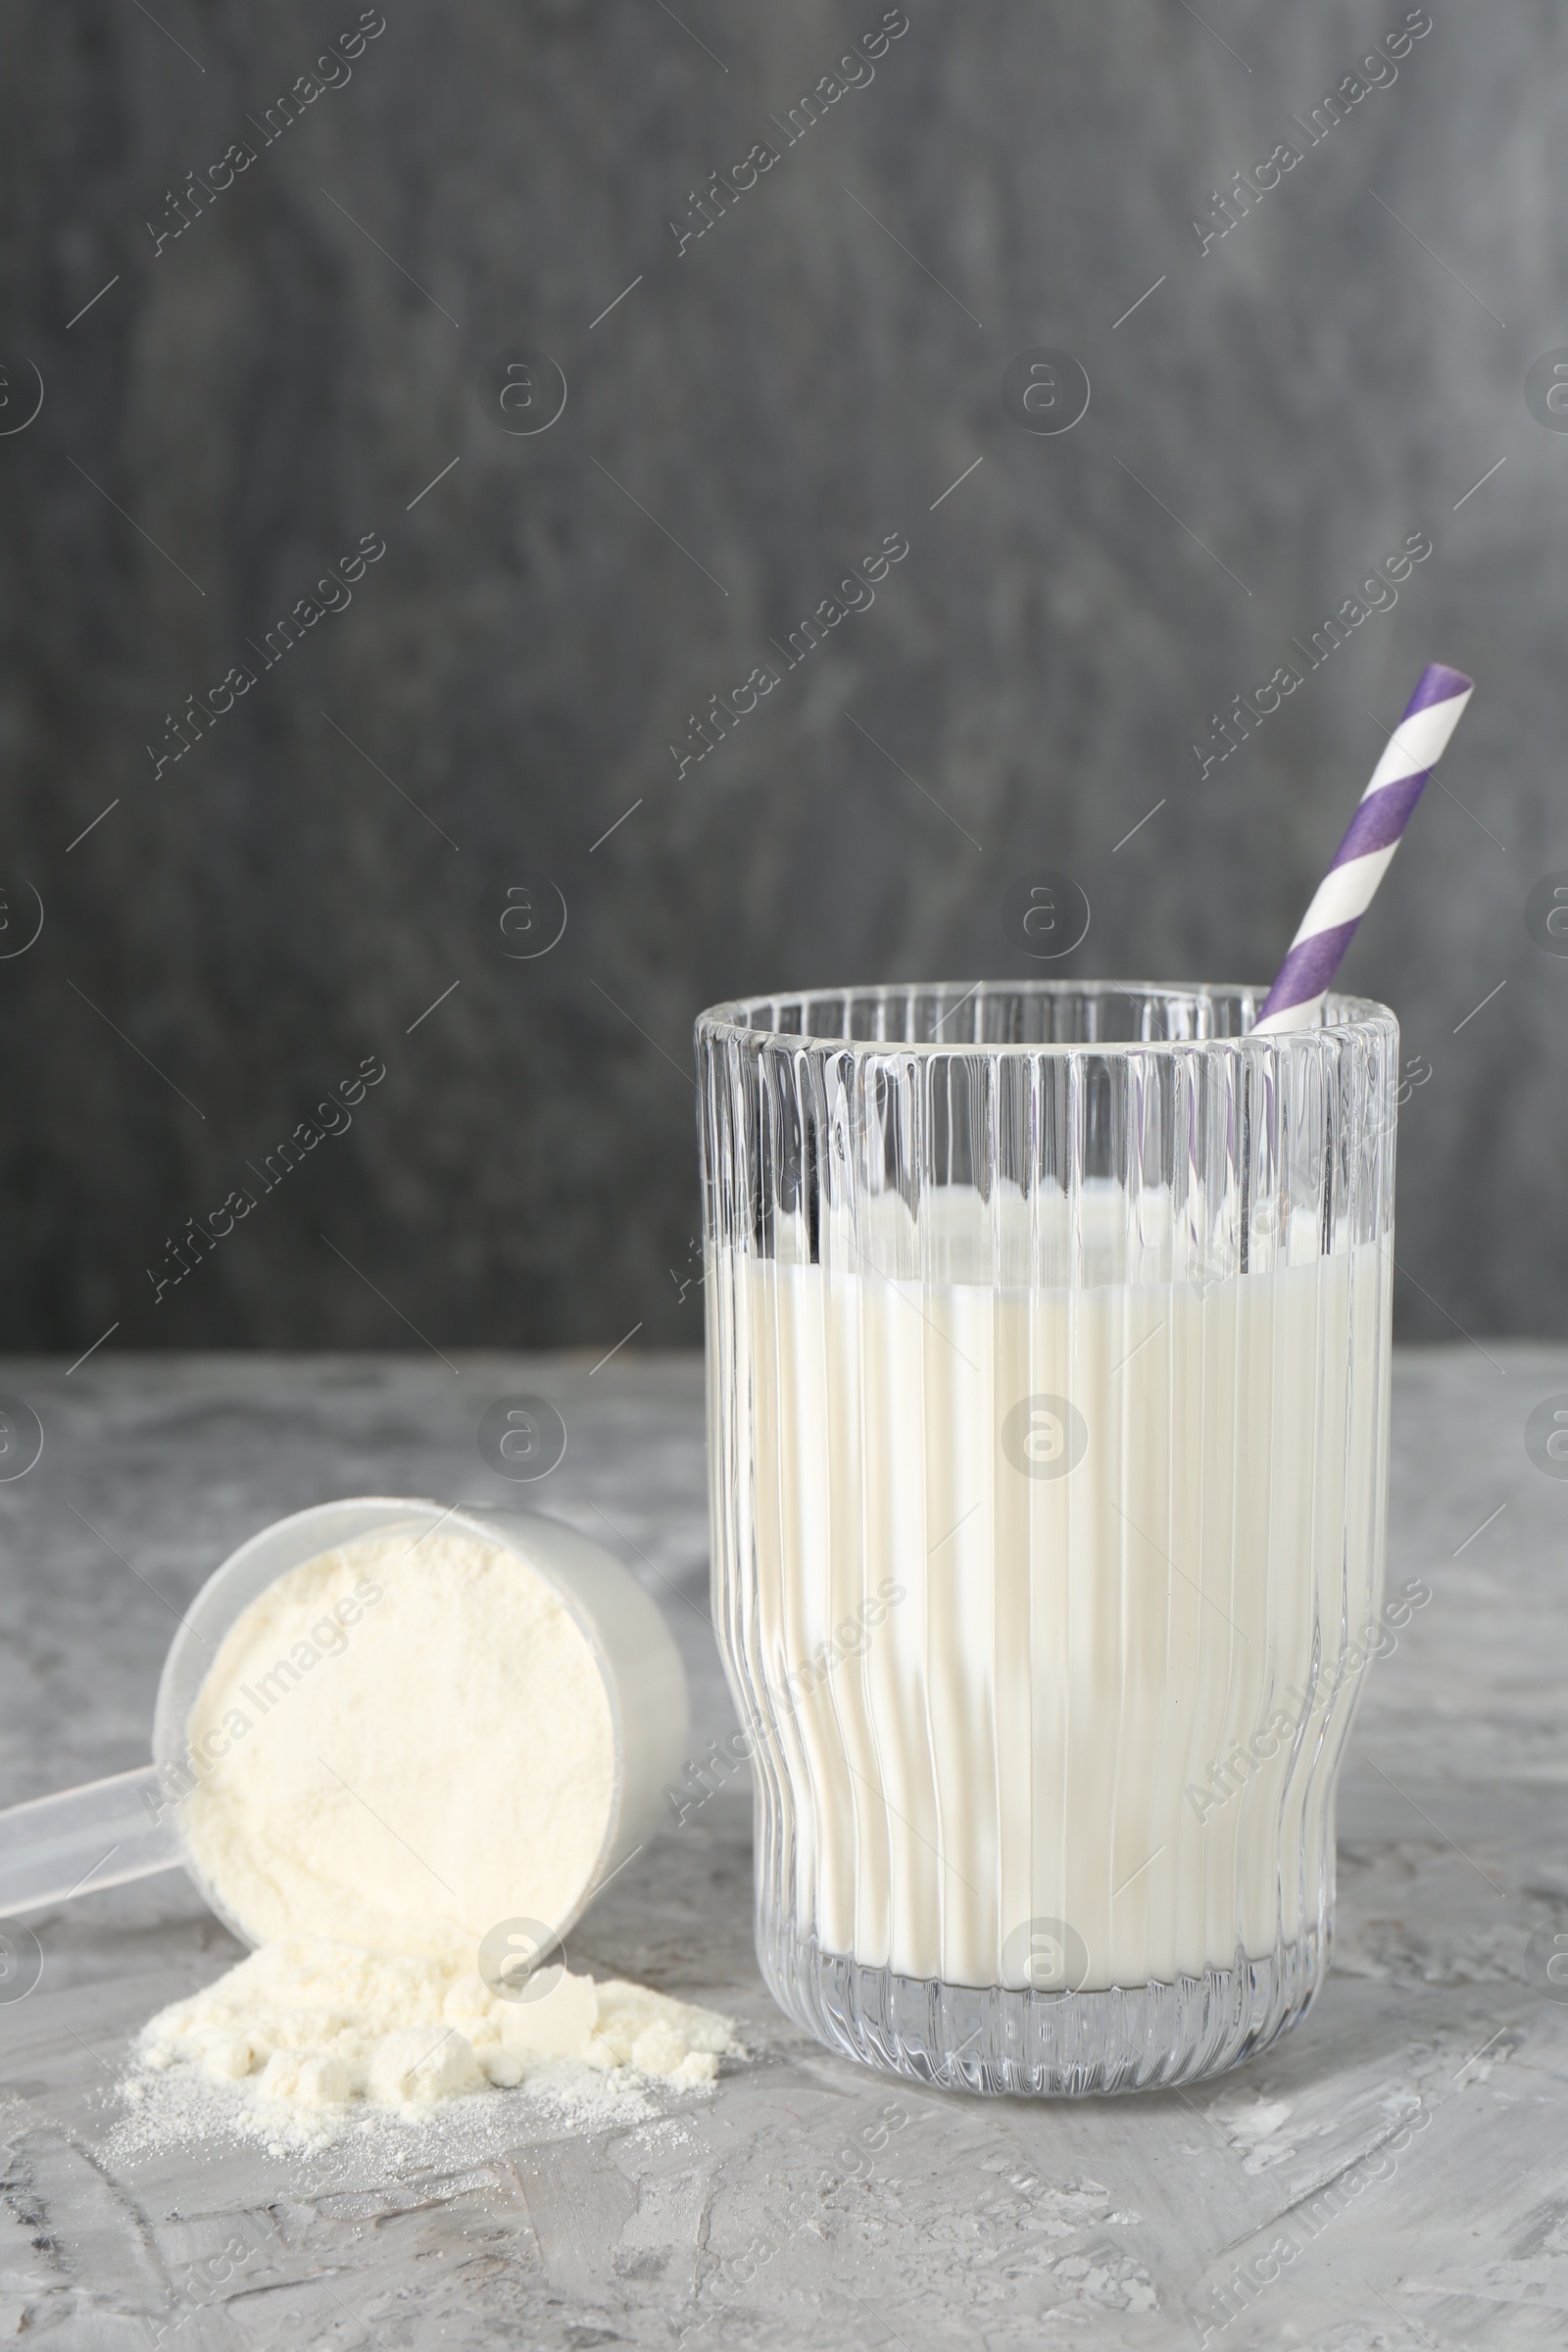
{"type": "Point", "coordinates": [1126, 1536]}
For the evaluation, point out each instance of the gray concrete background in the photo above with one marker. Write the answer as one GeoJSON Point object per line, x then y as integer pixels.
{"type": "Point", "coordinates": [762, 408]}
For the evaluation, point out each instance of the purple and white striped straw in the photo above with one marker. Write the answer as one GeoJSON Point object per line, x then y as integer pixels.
{"type": "Point", "coordinates": [1346, 891]}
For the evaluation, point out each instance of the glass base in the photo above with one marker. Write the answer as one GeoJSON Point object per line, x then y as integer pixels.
{"type": "Point", "coordinates": [1041, 2044]}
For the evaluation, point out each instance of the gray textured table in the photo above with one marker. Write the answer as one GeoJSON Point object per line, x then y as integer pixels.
{"type": "Point", "coordinates": [1394, 2175]}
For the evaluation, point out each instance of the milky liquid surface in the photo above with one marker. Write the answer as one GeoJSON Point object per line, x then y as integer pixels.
{"type": "Point", "coordinates": [1088, 1669]}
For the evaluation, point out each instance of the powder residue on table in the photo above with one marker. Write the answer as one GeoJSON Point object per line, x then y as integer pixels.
{"type": "Point", "coordinates": [320, 2026]}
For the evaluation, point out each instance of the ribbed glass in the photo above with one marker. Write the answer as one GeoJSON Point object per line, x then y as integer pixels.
{"type": "Point", "coordinates": [1048, 1344]}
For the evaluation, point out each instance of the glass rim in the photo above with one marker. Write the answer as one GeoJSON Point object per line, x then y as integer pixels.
{"type": "Point", "coordinates": [1342, 1016]}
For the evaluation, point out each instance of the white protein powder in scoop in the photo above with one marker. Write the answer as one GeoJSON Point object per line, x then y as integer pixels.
{"type": "Point", "coordinates": [400, 1744]}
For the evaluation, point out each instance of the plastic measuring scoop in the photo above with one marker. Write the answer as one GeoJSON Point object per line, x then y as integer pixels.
{"type": "Point", "coordinates": [128, 1826]}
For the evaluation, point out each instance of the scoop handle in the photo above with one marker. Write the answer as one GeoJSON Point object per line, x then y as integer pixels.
{"type": "Point", "coordinates": [97, 1836]}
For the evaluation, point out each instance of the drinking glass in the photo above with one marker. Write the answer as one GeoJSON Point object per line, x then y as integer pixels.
{"type": "Point", "coordinates": [1048, 1345]}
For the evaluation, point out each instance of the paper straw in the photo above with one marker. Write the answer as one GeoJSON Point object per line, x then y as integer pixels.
{"type": "Point", "coordinates": [1361, 860]}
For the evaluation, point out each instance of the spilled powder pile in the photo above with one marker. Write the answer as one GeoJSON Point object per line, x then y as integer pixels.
{"type": "Point", "coordinates": [327, 2025]}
